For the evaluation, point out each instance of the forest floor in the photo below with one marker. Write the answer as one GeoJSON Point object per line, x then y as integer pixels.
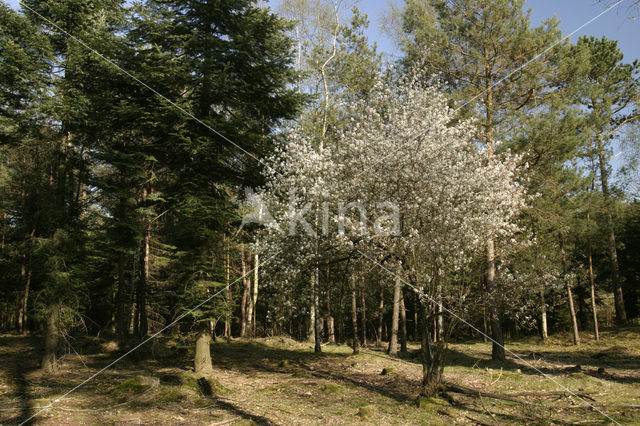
{"type": "Point", "coordinates": [280, 381]}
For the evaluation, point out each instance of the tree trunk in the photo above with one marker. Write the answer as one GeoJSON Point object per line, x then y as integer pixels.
{"type": "Point", "coordinates": [331, 334]}
{"type": "Point", "coordinates": [25, 274]}
{"type": "Point", "coordinates": [202, 361]}
{"type": "Point", "coordinates": [329, 321]}
{"type": "Point", "coordinates": [574, 319]}
{"type": "Point", "coordinates": [440, 316]}
{"type": "Point", "coordinates": [572, 310]}
{"type": "Point", "coordinates": [254, 295]}
{"type": "Point", "coordinates": [246, 292]}
{"type": "Point", "coordinates": [621, 314]}
{"type": "Point", "coordinates": [354, 315]}
{"type": "Point", "coordinates": [497, 348]}
{"type": "Point", "coordinates": [363, 313]}
{"type": "Point", "coordinates": [317, 327]}
{"type": "Point", "coordinates": [393, 339]}
{"type": "Point", "coordinates": [122, 315]}
{"type": "Point", "coordinates": [545, 329]}
{"type": "Point", "coordinates": [227, 276]}
{"type": "Point", "coordinates": [596, 331]}
{"type": "Point", "coordinates": [49, 361]}
{"type": "Point", "coordinates": [485, 327]}
{"type": "Point", "coordinates": [4, 223]}
{"type": "Point", "coordinates": [380, 316]}
{"type": "Point", "coordinates": [403, 324]}
{"type": "Point", "coordinates": [133, 307]}
{"type": "Point", "coordinates": [312, 316]}
{"type": "Point", "coordinates": [141, 294]}
{"type": "Point", "coordinates": [432, 360]}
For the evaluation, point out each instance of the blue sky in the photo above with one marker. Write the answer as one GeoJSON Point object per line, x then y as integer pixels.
{"type": "Point", "coordinates": [616, 24]}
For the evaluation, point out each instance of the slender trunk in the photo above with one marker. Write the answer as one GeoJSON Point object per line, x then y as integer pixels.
{"type": "Point", "coordinates": [132, 290]}
{"type": "Point", "coordinates": [246, 286]}
{"type": "Point", "coordinates": [254, 295]}
{"type": "Point", "coordinates": [545, 330]}
{"type": "Point", "coordinates": [485, 326]}
{"type": "Point", "coordinates": [621, 314]}
{"type": "Point", "coordinates": [317, 326]}
{"type": "Point", "coordinates": [572, 311]}
{"type": "Point", "coordinates": [497, 348]}
{"type": "Point", "coordinates": [354, 315]}
{"type": "Point", "coordinates": [341, 317]}
{"type": "Point", "coordinates": [440, 316]}
{"type": "Point", "coordinates": [380, 316]}
{"type": "Point", "coordinates": [435, 323]}
{"type": "Point", "coordinates": [298, 59]}
{"type": "Point", "coordinates": [363, 313]}
{"type": "Point", "coordinates": [312, 315]}
{"type": "Point", "coordinates": [324, 74]}
{"type": "Point", "coordinates": [122, 316]}
{"type": "Point", "coordinates": [227, 268]}
{"type": "Point", "coordinates": [25, 274]}
{"type": "Point", "coordinates": [4, 223]}
{"type": "Point", "coordinates": [432, 360]}
{"type": "Point", "coordinates": [393, 339]}
{"type": "Point", "coordinates": [403, 324]}
{"type": "Point", "coordinates": [49, 361]}
{"type": "Point", "coordinates": [331, 332]}
{"type": "Point", "coordinates": [202, 361]}
{"type": "Point", "coordinates": [415, 319]}
{"type": "Point", "coordinates": [596, 331]}
{"type": "Point", "coordinates": [143, 282]}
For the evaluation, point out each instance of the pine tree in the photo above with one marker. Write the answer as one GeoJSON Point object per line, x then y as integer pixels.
{"type": "Point", "coordinates": [487, 55]}
{"type": "Point", "coordinates": [608, 89]}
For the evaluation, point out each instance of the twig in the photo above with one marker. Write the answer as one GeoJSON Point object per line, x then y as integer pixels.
{"type": "Point", "coordinates": [485, 409]}
{"type": "Point", "coordinates": [478, 422]}
{"type": "Point", "coordinates": [499, 377]}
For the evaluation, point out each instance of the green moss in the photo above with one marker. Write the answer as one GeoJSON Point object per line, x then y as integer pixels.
{"type": "Point", "coordinates": [202, 403]}
{"type": "Point", "coordinates": [190, 382]}
{"type": "Point", "coordinates": [332, 388]}
{"type": "Point", "coordinates": [388, 371]}
{"type": "Point", "coordinates": [301, 373]}
{"type": "Point", "coordinates": [367, 411]}
{"type": "Point", "coordinates": [169, 395]}
{"type": "Point", "coordinates": [130, 386]}
{"type": "Point", "coordinates": [430, 403]}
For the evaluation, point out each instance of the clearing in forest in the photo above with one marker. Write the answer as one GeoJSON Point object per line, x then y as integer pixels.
{"type": "Point", "coordinates": [280, 381]}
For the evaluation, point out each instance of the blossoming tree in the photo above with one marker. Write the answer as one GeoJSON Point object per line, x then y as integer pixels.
{"type": "Point", "coordinates": [404, 186]}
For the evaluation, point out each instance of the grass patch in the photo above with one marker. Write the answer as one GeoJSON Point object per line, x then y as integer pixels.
{"type": "Point", "coordinates": [332, 389]}
{"type": "Point", "coordinates": [367, 411]}
{"type": "Point", "coordinates": [169, 395]}
{"type": "Point", "coordinates": [130, 386]}
{"type": "Point", "coordinates": [388, 371]}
